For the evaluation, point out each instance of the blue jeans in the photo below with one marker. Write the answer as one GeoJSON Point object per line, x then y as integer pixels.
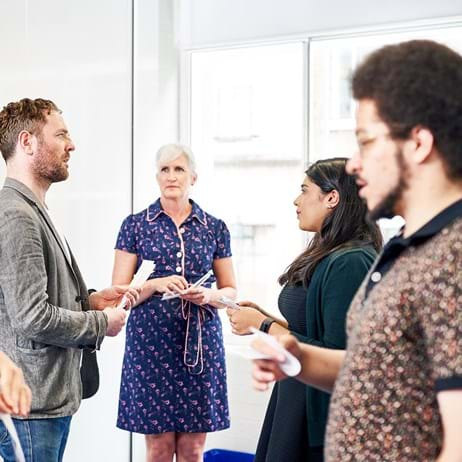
{"type": "Point", "coordinates": [42, 440]}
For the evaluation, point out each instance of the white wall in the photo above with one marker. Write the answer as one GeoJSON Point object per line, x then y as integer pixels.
{"type": "Point", "coordinates": [156, 92]}
{"type": "Point", "coordinates": [247, 408]}
{"type": "Point", "coordinates": [79, 54]}
{"type": "Point", "coordinates": [211, 22]}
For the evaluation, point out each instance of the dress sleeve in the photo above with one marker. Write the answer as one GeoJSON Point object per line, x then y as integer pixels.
{"type": "Point", "coordinates": [126, 239]}
{"type": "Point", "coordinates": [338, 287]}
{"type": "Point", "coordinates": [440, 313]}
{"type": "Point", "coordinates": [223, 237]}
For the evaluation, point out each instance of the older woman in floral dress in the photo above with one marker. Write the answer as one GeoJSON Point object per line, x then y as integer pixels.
{"type": "Point", "coordinates": [173, 386]}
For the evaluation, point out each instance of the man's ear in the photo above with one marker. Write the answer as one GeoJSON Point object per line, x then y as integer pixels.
{"type": "Point", "coordinates": [423, 144]}
{"type": "Point", "coordinates": [27, 142]}
{"type": "Point", "coordinates": [193, 179]}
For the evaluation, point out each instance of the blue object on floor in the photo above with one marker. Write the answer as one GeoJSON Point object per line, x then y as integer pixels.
{"type": "Point", "coordinates": [222, 455]}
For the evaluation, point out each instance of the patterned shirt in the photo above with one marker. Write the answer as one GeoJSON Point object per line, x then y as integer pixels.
{"type": "Point", "coordinates": [404, 346]}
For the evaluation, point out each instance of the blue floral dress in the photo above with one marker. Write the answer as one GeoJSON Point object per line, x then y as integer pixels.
{"type": "Point", "coordinates": [173, 374]}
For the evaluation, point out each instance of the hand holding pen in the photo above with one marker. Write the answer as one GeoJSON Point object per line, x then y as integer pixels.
{"type": "Point", "coordinates": [170, 286]}
{"type": "Point", "coordinates": [195, 293]}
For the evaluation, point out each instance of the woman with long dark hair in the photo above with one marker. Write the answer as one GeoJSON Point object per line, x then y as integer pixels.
{"type": "Point", "coordinates": [318, 287]}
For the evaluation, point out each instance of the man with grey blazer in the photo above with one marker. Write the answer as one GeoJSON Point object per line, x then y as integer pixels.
{"type": "Point", "coordinates": [49, 324]}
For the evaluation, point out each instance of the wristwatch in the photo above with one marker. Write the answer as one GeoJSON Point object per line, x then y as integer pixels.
{"type": "Point", "coordinates": [266, 324]}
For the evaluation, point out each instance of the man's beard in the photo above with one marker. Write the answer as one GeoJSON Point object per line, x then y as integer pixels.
{"type": "Point", "coordinates": [387, 207]}
{"type": "Point", "coordinates": [48, 167]}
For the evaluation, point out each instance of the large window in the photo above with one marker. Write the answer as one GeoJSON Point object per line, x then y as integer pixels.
{"type": "Point", "coordinates": [331, 64]}
{"type": "Point", "coordinates": [248, 121]}
{"type": "Point", "coordinates": [248, 124]}
{"type": "Point", "coordinates": [252, 111]}
{"type": "Point", "coordinates": [331, 124]}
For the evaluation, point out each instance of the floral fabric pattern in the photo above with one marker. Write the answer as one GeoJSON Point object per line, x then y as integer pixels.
{"type": "Point", "coordinates": [159, 392]}
{"type": "Point", "coordinates": [404, 343]}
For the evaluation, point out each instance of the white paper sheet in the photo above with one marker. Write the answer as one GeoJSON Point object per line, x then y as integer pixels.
{"type": "Point", "coordinates": [141, 276]}
{"type": "Point", "coordinates": [291, 365]}
{"type": "Point", "coordinates": [8, 422]}
{"type": "Point", "coordinates": [229, 303]}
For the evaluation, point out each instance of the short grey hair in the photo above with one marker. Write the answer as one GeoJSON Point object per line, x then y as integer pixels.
{"type": "Point", "coordinates": [170, 152]}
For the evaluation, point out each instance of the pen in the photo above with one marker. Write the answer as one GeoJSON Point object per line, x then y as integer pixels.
{"type": "Point", "coordinates": [198, 283]}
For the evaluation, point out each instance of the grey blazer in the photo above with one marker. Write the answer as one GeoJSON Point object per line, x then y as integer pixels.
{"type": "Point", "coordinates": [45, 320]}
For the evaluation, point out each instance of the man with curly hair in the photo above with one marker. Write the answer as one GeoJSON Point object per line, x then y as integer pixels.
{"type": "Point", "coordinates": [398, 386]}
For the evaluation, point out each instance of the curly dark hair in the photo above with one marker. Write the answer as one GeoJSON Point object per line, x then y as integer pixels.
{"type": "Point", "coordinates": [417, 83]}
{"type": "Point", "coordinates": [26, 114]}
{"type": "Point", "coordinates": [347, 226]}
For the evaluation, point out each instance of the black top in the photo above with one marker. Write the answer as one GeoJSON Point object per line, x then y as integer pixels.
{"type": "Point", "coordinates": [296, 418]}
{"type": "Point", "coordinates": [284, 432]}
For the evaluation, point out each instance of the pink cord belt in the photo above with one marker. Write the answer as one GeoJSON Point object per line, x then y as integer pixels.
{"type": "Point", "coordinates": [195, 316]}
